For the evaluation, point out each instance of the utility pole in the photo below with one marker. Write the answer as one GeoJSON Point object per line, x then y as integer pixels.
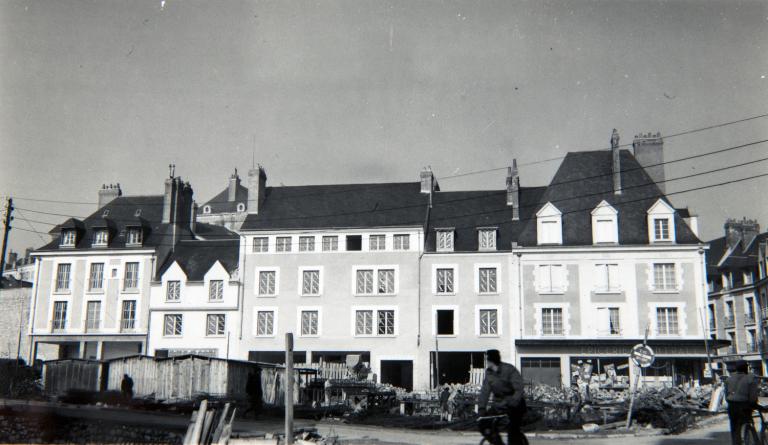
{"type": "Point", "coordinates": [7, 223]}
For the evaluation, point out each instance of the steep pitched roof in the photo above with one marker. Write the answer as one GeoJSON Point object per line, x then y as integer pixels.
{"type": "Point", "coordinates": [720, 257]}
{"type": "Point", "coordinates": [221, 203]}
{"type": "Point", "coordinates": [583, 180]}
{"type": "Point", "coordinates": [467, 211]}
{"type": "Point", "coordinates": [197, 257]}
{"type": "Point", "coordinates": [340, 206]}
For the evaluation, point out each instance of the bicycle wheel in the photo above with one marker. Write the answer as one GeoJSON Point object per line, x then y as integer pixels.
{"type": "Point", "coordinates": [749, 435]}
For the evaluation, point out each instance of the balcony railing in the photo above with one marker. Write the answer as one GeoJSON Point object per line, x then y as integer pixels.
{"type": "Point", "coordinates": [749, 318]}
{"type": "Point", "coordinates": [729, 322]}
{"type": "Point", "coordinates": [752, 347]}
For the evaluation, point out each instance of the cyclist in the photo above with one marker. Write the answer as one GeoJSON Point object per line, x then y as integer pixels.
{"type": "Point", "coordinates": [741, 390]}
{"type": "Point", "coordinates": [506, 384]}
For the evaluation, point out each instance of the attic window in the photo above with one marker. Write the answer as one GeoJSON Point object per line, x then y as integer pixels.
{"type": "Point", "coordinates": [133, 236]}
{"type": "Point", "coordinates": [138, 213]}
{"type": "Point", "coordinates": [206, 209]}
{"type": "Point", "coordinates": [105, 214]}
{"type": "Point", "coordinates": [101, 238]}
{"type": "Point", "coordinates": [354, 242]}
{"type": "Point", "coordinates": [661, 223]}
{"type": "Point", "coordinates": [68, 238]}
{"type": "Point", "coordinates": [240, 207]}
{"type": "Point", "coordinates": [444, 240]}
{"type": "Point", "coordinates": [486, 239]}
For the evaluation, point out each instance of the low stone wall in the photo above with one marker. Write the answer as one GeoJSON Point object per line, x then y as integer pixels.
{"type": "Point", "coordinates": [47, 428]}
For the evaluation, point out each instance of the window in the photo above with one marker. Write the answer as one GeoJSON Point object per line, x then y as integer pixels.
{"type": "Point", "coordinates": [354, 242]}
{"type": "Point", "coordinates": [216, 290]}
{"type": "Point", "coordinates": [604, 224]}
{"type": "Point", "coordinates": [309, 322]}
{"type": "Point", "coordinates": [402, 242]}
{"type": "Point", "coordinates": [131, 280]}
{"type": "Point", "coordinates": [59, 315]}
{"type": "Point", "coordinates": [173, 291]}
{"type": "Point", "coordinates": [101, 237]}
{"type": "Point", "coordinates": [385, 322]}
{"type": "Point", "coordinates": [661, 229]}
{"type": "Point", "coordinates": [133, 235]}
{"type": "Point", "coordinates": [664, 277]}
{"type": "Point", "coordinates": [712, 318]}
{"type": "Point", "coordinates": [128, 321]}
{"type": "Point", "coordinates": [385, 283]}
{"type": "Point", "coordinates": [215, 324]}
{"type": "Point", "coordinates": [549, 225]}
{"type": "Point", "coordinates": [747, 276]}
{"type": "Point", "coordinates": [445, 321]}
{"type": "Point", "coordinates": [751, 340]}
{"type": "Point", "coordinates": [487, 280]}
{"type": "Point", "coordinates": [608, 319]}
{"type": "Point", "coordinates": [666, 321]}
{"type": "Point", "coordinates": [261, 244]}
{"type": "Point", "coordinates": [240, 207]}
{"type": "Point", "coordinates": [267, 280]}
{"type": "Point", "coordinates": [330, 243]}
{"type": "Point", "coordinates": [96, 278]}
{"type": "Point", "coordinates": [552, 321]}
{"type": "Point", "coordinates": [310, 282]}
{"type": "Point", "coordinates": [607, 278]}
{"type": "Point", "coordinates": [551, 279]}
{"type": "Point", "coordinates": [749, 310]}
{"type": "Point", "coordinates": [62, 277]}
{"type": "Point", "coordinates": [444, 240]}
{"type": "Point", "coordinates": [376, 242]}
{"type": "Point", "coordinates": [68, 238]}
{"type": "Point", "coordinates": [605, 231]}
{"type": "Point", "coordinates": [283, 244]}
{"type": "Point", "coordinates": [265, 323]}
{"type": "Point", "coordinates": [206, 210]}
{"type": "Point", "coordinates": [489, 322]}
{"type": "Point", "coordinates": [549, 232]}
{"type": "Point", "coordinates": [486, 239]}
{"type": "Point", "coordinates": [92, 315]}
{"type": "Point", "coordinates": [173, 325]}
{"type": "Point", "coordinates": [444, 283]}
{"type": "Point", "coordinates": [306, 244]}
{"type": "Point", "coordinates": [733, 349]}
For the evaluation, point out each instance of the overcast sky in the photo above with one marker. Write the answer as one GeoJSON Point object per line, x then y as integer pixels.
{"type": "Point", "coordinates": [322, 92]}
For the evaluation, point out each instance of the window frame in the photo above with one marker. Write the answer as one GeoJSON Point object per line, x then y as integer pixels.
{"type": "Point", "coordinates": [134, 279]}
{"type": "Point", "coordinates": [124, 320]}
{"type": "Point", "coordinates": [90, 324]}
{"type": "Point", "coordinates": [68, 238]}
{"type": "Point", "coordinates": [91, 287]}
{"type": "Point", "coordinates": [134, 236]}
{"type": "Point", "coordinates": [377, 242]}
{"type": "Point", "coordinates": [554, 332]}
{"type": "Point", "coordinates": [479, 309]}
{"type": "Point", "coordinates": [257, 285]}
{"type": "Point", "coordinates": [401, 241]}
{"type": "Point", "coordinates": [551, 289]}
{"type": "Point", "coordinates": [448, 281]}
{"type": "Point", "coordinates": [306, 243]}
{"type": "Point", "coordinates": [100, 238]}
{"type": "Point", "coordinates": [283, 244]}
{"type": "Point", "coordinates": [220, 291]}
{"type": "Point", "coordinates": [604, 270]}
{"type": "Point", "coordinates": [331, 242]}
{"type": "Point", "coordinates": [59, 324]}
{"type": "Point", "coordinates": [300, 319]}
{"type": "Point", "coordinates": [667, 310]}
{"type": "Point", "coordinates": [375, 318]}
{"type": "Point", "coordinates": [256, 325]}
{"type": "Point", "coordinates": [375, 280]}
{"type": "Point", "coordinates": [218, 316]}
{"type": "Point", "coordinates": [478, 268]}
{"type": "Point", "coordinates": [262, 244]}
{"type": "Point", "coordinates": [666, 287]}
{"type": "Point", "coordinates": [58, 279]}
{"type": "Point", "coordinates": [444, 240]}
{"type": "Point", "coordinates": [178, 325]}
{"type": "Point", "coordinates": [302, 277]}
{"type": "Point", "coordinates": [176, 284]}
{"type": "Point", "coordinates": [487, 238]}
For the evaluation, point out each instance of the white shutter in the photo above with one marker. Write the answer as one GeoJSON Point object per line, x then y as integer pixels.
{"type": "Point", "coordinates": [558, 278]}
{"type": "Point", "coordinates": [602, 276]}
{"type": "Point", "coordinates": [613, 276]}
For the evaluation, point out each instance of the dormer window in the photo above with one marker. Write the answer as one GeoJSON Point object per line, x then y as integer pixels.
{"type": "Point", "coordinates": [486, 239]}
{"type": "Point", "coordinates": [101, 238]}
{"type": "Point", "coordinates": [133, 236]}
{"type": "Point", "coordinates": [661, 223]}
{"type": "Point", "coordinates": [206, 209]}
{"type": "Point", "coordinates": [240, 207]}
{"type": "Point", "coordinates": [549, 225]}
{"type": "Point", "coordinates": [105, 214]}
{"type": "Point", "coordinates": [68, 238]}
{"type": "Point", "coordinates": [604, 224]}
{"type": "Point", "coordinates": [444, 240]}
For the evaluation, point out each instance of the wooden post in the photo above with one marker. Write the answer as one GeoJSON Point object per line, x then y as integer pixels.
{"type": "Point", "coordinates": [289, 388]}
{"type": "Point", "coordinates": [632, 398]}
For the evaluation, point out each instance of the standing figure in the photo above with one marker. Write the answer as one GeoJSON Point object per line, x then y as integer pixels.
{"type": "Point", "coordinates": [741, 393]}
{"type": "Point", "coordinates": [505, 382]}
{"type": "Point", "coordinates": [126, 388]}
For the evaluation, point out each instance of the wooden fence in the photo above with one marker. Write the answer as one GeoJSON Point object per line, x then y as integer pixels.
{"type": "Point", "coordinates": [59, 376]}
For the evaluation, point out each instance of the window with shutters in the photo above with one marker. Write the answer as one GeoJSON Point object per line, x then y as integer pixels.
{"type": "Point", "coordinates": [604, 224]}
{"type": "Point", "coordinates": [173, 325]}
{"type": "Point", "coordinates": [267, 286]}
{"type": "Point", "coordinates": [550, 279]}
{"type": "Point", "coordinates": [486, 280]}
{"type": "Point", "coordinates": [62, 277]}
{"type": "Point", "coordinates": [375, 280]}
{"type": "Point", "coordinates": [607, 278]}
{"type": "Point", "coordinates": [216, 290]}
{"type": "Point", "coordinates": [96, 277]}
{"type": "Point", "coordinates": [608, 321]}
{"type": "Point", "coordinates": [549, 225]}
{"type": "Point", "coordinates": [216, 325]}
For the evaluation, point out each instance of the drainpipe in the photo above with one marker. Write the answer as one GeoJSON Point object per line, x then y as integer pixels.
{"type": "Point", "coordinates": [421, 255]}
{"type": "Point", "coordinates": [32, 313]}
{"type": "Point", "coordinates": [241, 284]}
{"type": "Point", "coordinates": [520, 291]}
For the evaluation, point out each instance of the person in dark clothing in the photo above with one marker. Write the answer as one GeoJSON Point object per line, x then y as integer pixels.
{"type": "Point", "coordinates": [253, 389]}
{"type": "Point", "coordinates": [126, 387]}
{"type": "Point", "coordinates": [444, 396]}
{"type": "Point", "coordinates": [505, 382]}
{"type": "Point", "coordinates": [741, 391]}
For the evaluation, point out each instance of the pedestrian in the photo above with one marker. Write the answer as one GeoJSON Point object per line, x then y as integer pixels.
{"type": "Point", "coordinates": [126, 388]}
{"type": "Point", "coordinates": [506, 384]}
{"type": "Point", "coordinates": [741, 390]}
{"type": "Point", "coordinates": [444, 396]}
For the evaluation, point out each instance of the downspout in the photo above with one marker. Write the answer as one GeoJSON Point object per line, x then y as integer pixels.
{"type": "Point", "coordinates": [421, 255]}
{"type": "Point", "coordinates": [33, 312]}
{"type": "Point", "coordinates": [520, 292]}
{"type": "Point", "coordinates": [241, 284]}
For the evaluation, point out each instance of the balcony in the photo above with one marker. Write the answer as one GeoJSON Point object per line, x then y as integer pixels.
{"type": "Point", "coordinates": [752, 348]}
{"type": "Point", "coordinates": [729, 322]}
{"type": "Point", "coordinates": [749, 318]}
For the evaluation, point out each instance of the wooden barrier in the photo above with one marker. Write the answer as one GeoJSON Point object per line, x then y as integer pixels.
{"type": "Point", "coordinates": [59, 376]}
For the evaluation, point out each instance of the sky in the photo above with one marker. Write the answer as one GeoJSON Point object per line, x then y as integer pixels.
{"type": "Point", "coordinates": [355, 91]}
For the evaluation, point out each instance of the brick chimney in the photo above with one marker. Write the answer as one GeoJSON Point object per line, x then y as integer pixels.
{"type": "Point", "coordinates": [428, 181]}
{"type": "Point", "coordinates": [616, 162]}
{"type": "Point", "coordinates": [177, 202]}
{"type": "Point", "coordinates": [649, 152]}
{"type": "Point", "coordinates": [108, 192]}
{"type": "Point", "coordinates": [234, 181]}
{"type": "Point", "coordinates": [740, 232]}
{"type": "Point", "coordinates": [257, 188]}
{"type": "Point", "coordinates": [513, 190]}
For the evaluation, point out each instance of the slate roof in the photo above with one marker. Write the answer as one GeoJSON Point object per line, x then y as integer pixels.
{"type": "Point", "coordinates": [583, 180]}
{"type": "Point", "coordinates": [738, 260]}
{"type": "Point", "coordinates": [196, 257]}
{"type": "Point", "coordinates": [466, 211]}
{"type": "Point", "coordinates": [221, 204]}
{"type": "Point", "coordinates": [213, 232]}
{"type": "Point", "coordinates": [340, 206]}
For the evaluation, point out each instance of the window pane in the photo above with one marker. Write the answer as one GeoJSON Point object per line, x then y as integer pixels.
{"type": "Point", "coordinates": [376, 242]}
{"type": "Point", "coordinates": [260, 244]}
{"type": "Point", "coordinates": [386, 281]}
{"type": "Point", "coordinates": [97, 276]}
{"type": "Point", "coordinates": [365, 281]}
{"type": "Point", "coordinates": [62, 277]}
{"type": "Point", "coordinates": [265, 323]}
{"type": "Point", "coordinates": [309, 322]}
{"type": "Point", "coordinates": [129, 314]}
{"type": "Point", "coordinates": [488, 322]}
{"type": "Point", "coordinates": [330, 243]}
{"type": "Point", "coordinates": [283, 243]}
{"type": "Point", "coordinates": [93, 313]}
{"type": "Point", "coordinates": [173, 292]}
{"type": "Point", "coordinates": [59, 315]}
{"type": "Point", "coordinates": [402, 242]}
{"type": "Point", "coordinates": [444, 281]}
{"type": "Point", "coordinates": [267, 282]}
{"type": "Point", "coordinates": [131, 280]}
{"type": "Point", "coordinates": [363, 322]}
{"type": "Point", "coordinates": [306, 243]}
{"type": "Point", "coordinates": [310, 282]}
{"type": "Point", "coordinates": [386, 323]}
{"type": "Point", "coordinates": [613, 321]}
{"type": "Point", "coordinates": [487, 281]}
{"type": "Point", "coordinates": [216, 290]}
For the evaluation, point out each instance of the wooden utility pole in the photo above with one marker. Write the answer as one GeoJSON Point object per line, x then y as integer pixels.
{"type": "Point", "coordinates": [7, 224]}
{"type": "Point", "coordinates": [289, 388]}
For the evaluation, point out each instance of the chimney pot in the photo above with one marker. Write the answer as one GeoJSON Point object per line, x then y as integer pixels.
{"type": "Point", "coordinates": [649, 153]}
{"type": "Point", "coordinates": [513, 190]}
{"type": "Point", "coordinates": [107, 194]}
{"type": "Point", "coordinates": [616, 162]}
{"type": "Point", "coordinates": [257, 189]}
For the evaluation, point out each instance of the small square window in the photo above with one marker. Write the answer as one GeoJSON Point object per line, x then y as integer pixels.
{"type": "Point", "coordinates": [306, 244]}
{"type": "Point", "coordinates": [261, 244]}
{"type": "Point", "coordinates": [486, 239]}
{"type": "Point", "coordinates": [376, 242]}
{"type": "Point", "coordinates": [330, 243]}
{"type": "Point", "coordinates": [402, 242]}
{"type": "Point", "coordinates": [354, 242]}
{"type": "Point", "coordinates": [283, 244]}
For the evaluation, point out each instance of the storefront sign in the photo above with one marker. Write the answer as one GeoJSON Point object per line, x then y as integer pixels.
{"type": "Point", "coordinates": [642, 355]}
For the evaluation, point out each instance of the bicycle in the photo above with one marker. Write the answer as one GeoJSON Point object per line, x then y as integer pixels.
{"type": "Point", "coordinates": [750, 436]}
{"type": "Point", "coordinates": [490, 426]}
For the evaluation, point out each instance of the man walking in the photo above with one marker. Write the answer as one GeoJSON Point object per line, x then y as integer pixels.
{"type": "Point", "coordinates": [506, 384]}
{"type": "Point", "coordinates": [741, 392]}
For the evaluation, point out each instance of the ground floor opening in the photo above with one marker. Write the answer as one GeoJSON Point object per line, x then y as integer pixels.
{"type": "Point", "coordinates": [397, 373]}
{"type": "Point", "coordinates": [89, 348]}
{"type": "Point", "coordinates": [455, 366]}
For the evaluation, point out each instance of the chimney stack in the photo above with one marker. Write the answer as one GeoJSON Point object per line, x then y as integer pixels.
{"type": "Point", "coordinates": [428, 181]}
{"type": "Point", "coordinates": [257, 188]}
{"type": "Point", "coordinates": [744, 232]}
{"type": "Point", "coordinates": [108, 192]}
{"type": "Point", "coordinates": [169, 199]}
{"type": "Point", "coordinates": [615, 153]}
{"type": "Point", "coordinates": [234, 181]}
{"type": "Point", "coordinates": [649, 152]}
{"type": "Point", "coordinates": [513, 190]}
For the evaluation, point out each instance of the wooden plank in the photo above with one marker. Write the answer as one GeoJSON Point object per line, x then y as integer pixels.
{"type": "Point", "coordinates": [218, 431]}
